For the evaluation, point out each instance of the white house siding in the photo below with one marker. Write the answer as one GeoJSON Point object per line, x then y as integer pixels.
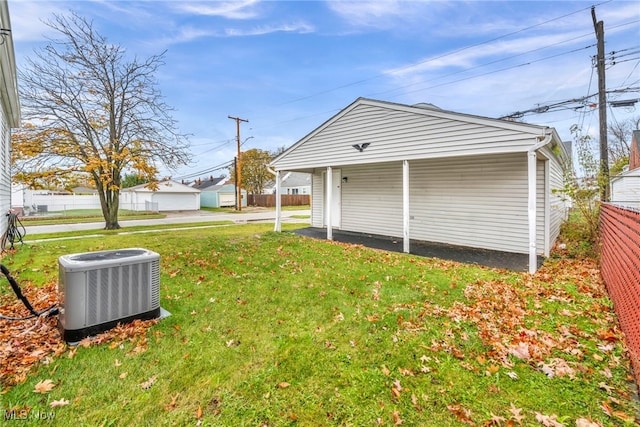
{"type": "Point", "coordinates": [540, 206]}
{"type": "Point", "coordinates": [471, 201]}
{"type": "Point", "coordinates": [9, 113]}
{"type": "Point", "coordinates": [399, 134]}
{"type": "Point", "coordinates": [625, 189]}
{"type": "Point", "coordinates": [317, 204]}
{"type": "Point", "coordinates": [5, 171]}
{"type": "Point", "coordinates": [558, 209]}
{"type": "Point", "coordinates": [372, 199]}
{"type": "Point", "coordinates": [468, 201]}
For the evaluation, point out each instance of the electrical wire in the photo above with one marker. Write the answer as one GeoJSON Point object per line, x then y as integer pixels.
{"type": "Point", "coordinates": [50, 311]}
{"type": "Point", "coordinates": [15, 231]}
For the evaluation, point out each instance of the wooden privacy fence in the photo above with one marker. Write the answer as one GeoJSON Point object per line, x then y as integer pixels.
{"type": "Point", "coordinates": [269, 200]}
{"type": "Point", "coordinates": [620, 269]}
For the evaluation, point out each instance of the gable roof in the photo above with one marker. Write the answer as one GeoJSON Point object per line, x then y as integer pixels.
{"type": "Point", "coordinates": [202, 184]}
{"type": "Point", "coordinates": [163, 187]}
{"type": "Point", "coordinates": [369, 131]}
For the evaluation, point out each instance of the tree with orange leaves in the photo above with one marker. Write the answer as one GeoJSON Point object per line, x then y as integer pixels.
{"type": "Point", "coordinates": [89, 109]}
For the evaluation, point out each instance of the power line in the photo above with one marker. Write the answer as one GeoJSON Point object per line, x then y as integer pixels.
{"type": "Point", "coordinates": [221, 166]}
{"type": "Point", "coordinates": [444, 55]}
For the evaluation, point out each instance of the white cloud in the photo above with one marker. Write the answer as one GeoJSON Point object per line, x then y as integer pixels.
{"type": "Point", "coordinates": [386, 14]}
{"type": "Point", "coordinates": [27, 20]}
{"type": "Point", "coordinates": [300, 28]}
{"type": "Point", "coordinates": [227, 9]}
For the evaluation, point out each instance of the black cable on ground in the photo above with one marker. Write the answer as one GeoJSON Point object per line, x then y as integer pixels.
{"type": "Point", "coordinates": [51, 311]}
{"type": "Point", "coordinates": [15, 231]}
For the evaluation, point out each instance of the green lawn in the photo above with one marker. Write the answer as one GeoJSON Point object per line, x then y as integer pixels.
{"type": "Point", "coordinates": [274, 329]}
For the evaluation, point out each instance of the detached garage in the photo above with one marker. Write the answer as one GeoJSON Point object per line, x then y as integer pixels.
{"type": "Point", "coordinates": [169, 196]}
{"type": "Point", "coordinates": [416, 172]}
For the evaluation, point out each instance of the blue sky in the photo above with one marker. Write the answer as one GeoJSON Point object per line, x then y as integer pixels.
{"type": "Point", "coordinates": [289, 66]}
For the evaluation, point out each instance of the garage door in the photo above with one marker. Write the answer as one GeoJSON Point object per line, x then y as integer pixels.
{"type": "Point", "coordinates": [175, 202]}
{"type": "Point", "coordinates": [227, 199]}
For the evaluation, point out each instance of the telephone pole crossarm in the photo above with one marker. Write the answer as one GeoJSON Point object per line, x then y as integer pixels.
{"type": "Point", "coordinates": [238, 163]}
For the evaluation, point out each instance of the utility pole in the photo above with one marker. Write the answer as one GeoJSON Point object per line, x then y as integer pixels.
{"type": "Point", "coordinates": [239, 163]}
{"type": "Point", "coordinates": [603, 180]}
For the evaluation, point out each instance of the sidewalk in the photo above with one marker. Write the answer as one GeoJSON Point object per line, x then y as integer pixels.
{"type": "Point", "coordinates": [182, 217]}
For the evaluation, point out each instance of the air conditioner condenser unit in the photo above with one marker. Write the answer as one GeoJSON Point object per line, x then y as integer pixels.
{"type": "Point", "coordinates": [100, 289]}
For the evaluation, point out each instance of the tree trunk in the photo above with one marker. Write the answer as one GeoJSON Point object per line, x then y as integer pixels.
{"type": "Point", "coordinates": [110, 203]}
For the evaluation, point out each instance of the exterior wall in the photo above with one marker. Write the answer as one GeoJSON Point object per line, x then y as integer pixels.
{"type": "Point", "coordinates": [468, 201]}
{"type": "Point", "coordinates": [209, 199]}
{"type": "Point", "coordinates": [372, 199]}
{"type": "Point", "coordinates": [396, 133]}
{"type": "Point", "coordinates": [540, 206]}
{"type": "Point", "coordinates": [5, 171]}
{"type": "Point", "coordinates": [625, 189]}
{"type": "Point", "coordinates": [472, 201]}
{"type": "Point", "coordinates": [317, 204]}
{"type": "Point", "coordinates": [9, 113]}
{"type": "Point", "coordinates": [558, 207]}
{"type": "Point", "coordinates": [634, 155]}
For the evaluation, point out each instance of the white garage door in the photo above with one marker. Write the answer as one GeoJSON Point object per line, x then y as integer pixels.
{"type": "Point", "coordinates": [227, 199]}
{"type": "Point", "coordinates": [176, 202]}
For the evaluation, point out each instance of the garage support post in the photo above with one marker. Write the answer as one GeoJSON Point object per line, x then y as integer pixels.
{"type": "Point", "coordinates": [329, 202]}
{"type": "Point", "coordinates": [278, 226]}
{"type": "Point", "coordinates": [405, 207]}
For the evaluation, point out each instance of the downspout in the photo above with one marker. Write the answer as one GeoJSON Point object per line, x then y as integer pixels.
{"type": "Point", "coordinates": [278, 222]}
{"type": "Point", "coordinates": [532, 213]}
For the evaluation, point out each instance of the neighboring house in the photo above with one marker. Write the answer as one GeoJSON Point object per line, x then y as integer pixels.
{"type": "Point", "coordinates": [84, 190]}
{"type": "Point", "coordinates": [625, 187]}
{"type": "Point", "coordinates": [10, 111]}
{"type": "Point", "coordinates": [221, 196]}
{"type": "Point", "coordinates": [201, 184]}
{"type": "Point", "coordinates": [170, 196]}
{"type": "Point", "coordinates": [292, 183]}
{"type": "Point", "coordinates": [418, 172]}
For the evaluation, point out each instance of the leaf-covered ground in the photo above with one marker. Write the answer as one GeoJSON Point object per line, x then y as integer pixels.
{"type": "Point", "coordinates": [275, 329]}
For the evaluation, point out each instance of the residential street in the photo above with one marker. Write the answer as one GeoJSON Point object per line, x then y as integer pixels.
{"type": "Point", "coordinates": [248, 215]}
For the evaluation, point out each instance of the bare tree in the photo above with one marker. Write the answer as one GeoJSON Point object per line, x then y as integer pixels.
{"type": "Point", "coordinates": [87, 108]}
{"type": "Point", "coordinates": [620, 135]}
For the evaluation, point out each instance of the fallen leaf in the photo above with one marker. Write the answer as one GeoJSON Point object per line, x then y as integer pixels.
{"type": "Point", "coordinates": [283, 384]}
{"type": "Point", "coordinates": [517, 413]}
{"type": "Point", "coordinates": [548, 420]}
{"type": "Point", "coordinates": [147, 384]}
{"type": "Point", "coordinates": [396, 418]}
{"type": "Point", "coordinates": [44, 386]}
{"type": "Point", "coordinates": [199, 412]}
{"type": "Point", "coordinates": [583, 422]}
{"type": "Point", "coordinates": [58, 403]}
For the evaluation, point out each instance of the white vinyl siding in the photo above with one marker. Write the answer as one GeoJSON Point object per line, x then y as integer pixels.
{"type": "Point", "coordinates": [317, 204]}
{"type": "Point", "coordinates": [540, 206]}
{"type": "Point", "coordinates": [372, 199]}
{"type": "Point", "coordinates": [399, 134]}
{"type": "Point", "coordinates": [472, 201]}
{"type": "Point", "coordinates": [558, 207]}
{"type": "Point", "coordinates": [5, 171]}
